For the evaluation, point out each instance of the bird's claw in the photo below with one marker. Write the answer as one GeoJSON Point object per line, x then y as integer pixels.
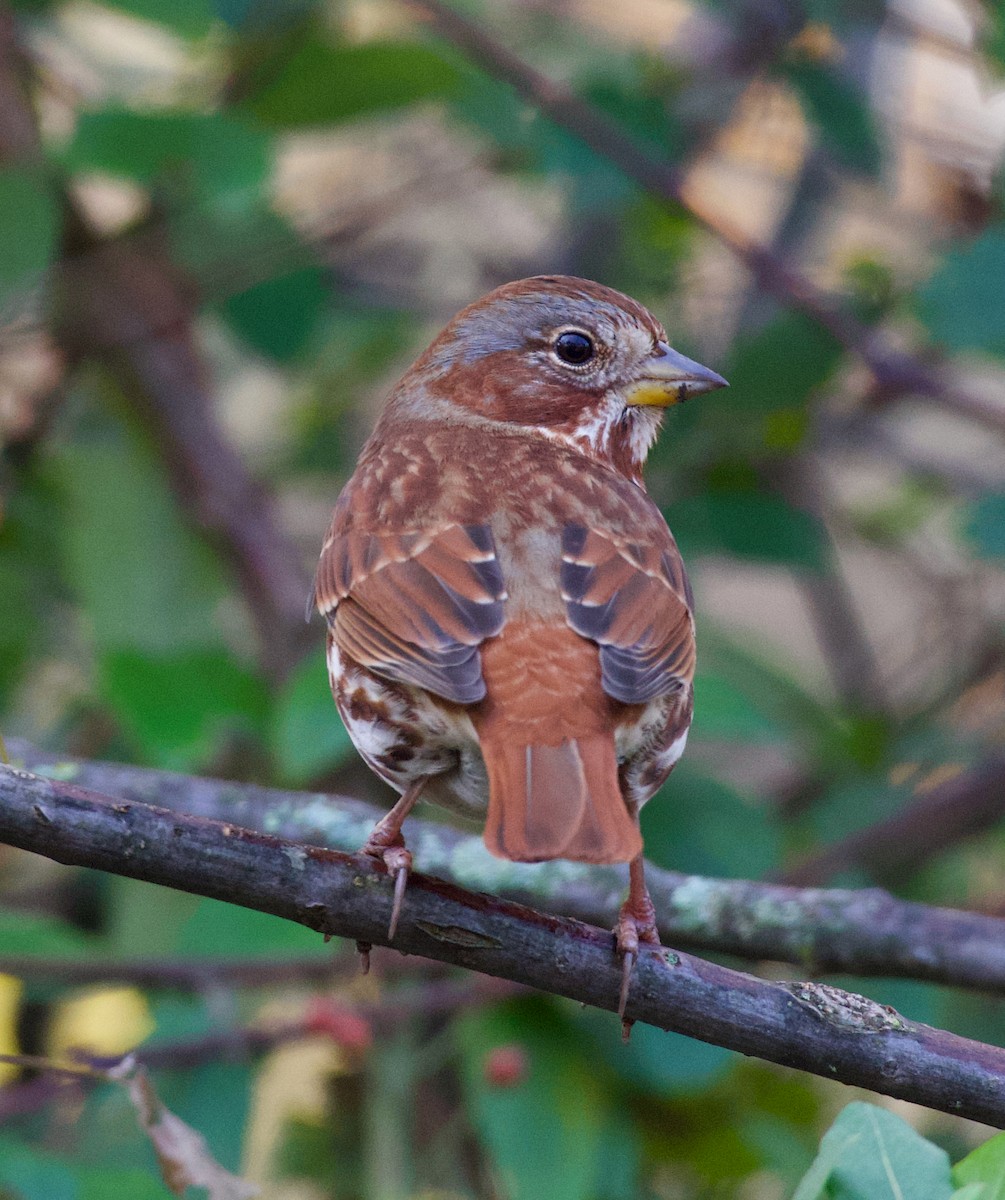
{"type": "Point", "coordinates": [398, 861]}
{"type": "Point", "coordinates": [631, 929]}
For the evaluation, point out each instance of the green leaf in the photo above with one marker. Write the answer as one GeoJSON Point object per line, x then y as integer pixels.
{"type": "Point", "coordinates": [543, 1132]}
{"type": "Point", "coordinates": [985, 1165]}
{"type": "Point", "coordinates": [28, 236]}
{"type": "Point", "coordinates": [696, 822]}
{"type": "Point", "coordinates": [25, 933]}
{"type": "Point", "coordinates": [143, 580]}
{"type": "Point", "coordinates": [322, 84]}
{"type": "Point", "coordinates": [221, 159]}
{"type": "Point", "coordinates": [179, 708]}
{"type": "Point", "coordinates": [217, 929]}
{"type": "Point", "coordinates": [961, 304]}
{"type": "Point", "coordinates": [655, 1061]}
{"type": "Point", "coordinates": [871, 1154]}
{"type": "Point", "coordinates": [840, 113]}
{"type": "Point", "coordinates": [751, 525]}
{"type": "Point", "coordinates": [308, 736]}
{"type": "Point", "coordinates": [278, 316]}
{"type": "Point", "coordinates": [985, 525]}
{"type": "Point", "coordinates": [724, 711]}
{"type": "Point", "coordinates": [114, 1183]}
{"type": "Point", "coordinates": [29, 1174]}
{"type": "Point", "coordinates": [189, 18]}
{"type": "Point", "coordinates": [780, 366]}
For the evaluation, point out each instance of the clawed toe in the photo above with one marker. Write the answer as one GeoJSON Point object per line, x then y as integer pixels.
{"type": "Point", "coordinates": [636, 924]}
{"type": "Point", "coordinates": [398, 861]}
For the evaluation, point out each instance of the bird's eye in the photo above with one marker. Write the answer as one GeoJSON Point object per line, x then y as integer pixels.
{"type": "Point", "coordinates": [574, 348]}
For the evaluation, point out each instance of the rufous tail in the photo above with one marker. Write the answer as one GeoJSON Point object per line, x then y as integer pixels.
{"type": "Point", "coordinates": [557, 802]}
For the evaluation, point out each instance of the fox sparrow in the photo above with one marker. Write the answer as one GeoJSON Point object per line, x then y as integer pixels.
{"type": "Point", "coordinates": [510, 630]}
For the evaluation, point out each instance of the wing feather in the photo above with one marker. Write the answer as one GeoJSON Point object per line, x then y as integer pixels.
{"type": "Point", "coordinates": [635, 603]}
{"type": "Point", "coordinates": [415, 606]}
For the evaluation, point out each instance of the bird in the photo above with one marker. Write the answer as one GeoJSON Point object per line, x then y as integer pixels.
{"type": "Point", "coordinates": [510, 629]}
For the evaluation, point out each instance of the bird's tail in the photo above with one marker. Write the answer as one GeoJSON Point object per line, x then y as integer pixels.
{"type": "Point", "coordinates": [557, 802]}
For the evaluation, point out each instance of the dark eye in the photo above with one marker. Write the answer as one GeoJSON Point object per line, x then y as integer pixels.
{"type": "Point", "coordinates": [574, 347]}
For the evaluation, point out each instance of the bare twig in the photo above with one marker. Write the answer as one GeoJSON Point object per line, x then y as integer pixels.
{"type": "Point", "coordinates": [807, 1026]}
{"type": "Point", "coordinates": [895, 372]}
{"type": "Point", "coordinates": [864, 931]}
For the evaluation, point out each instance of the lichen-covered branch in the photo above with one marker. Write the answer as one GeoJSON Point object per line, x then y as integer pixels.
{"type": "Point", "coordinates": [806, 1025]}
{"type": "Point", "coordinates": [866, 932]}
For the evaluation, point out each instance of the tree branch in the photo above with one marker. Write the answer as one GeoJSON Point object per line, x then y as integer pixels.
{"type": "Point", "coordinates": [866, 932]}
{"type": "Point", "coordinates": [895, 372]}
{"type": "Point", "coordinates": [805, 1025]}
{"type": "Point", "coordinates": [970, 803]}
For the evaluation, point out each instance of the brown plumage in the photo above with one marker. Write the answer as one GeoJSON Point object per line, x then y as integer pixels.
{"type": "Point", "coordinates": [510, 625]}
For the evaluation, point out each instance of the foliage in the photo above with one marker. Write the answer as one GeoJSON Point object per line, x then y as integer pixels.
{"type": "Point", "coordinates": [302, 192]}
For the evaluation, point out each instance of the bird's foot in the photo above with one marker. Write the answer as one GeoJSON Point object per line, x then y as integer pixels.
{"type": "Point", "coordinates": [392, 852]}
{"type": "Point", "coordinates": [636, 924]}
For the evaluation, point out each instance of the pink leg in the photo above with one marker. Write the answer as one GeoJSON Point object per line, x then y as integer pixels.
{"type": "Point", "coordinates": [387, 844]}
{"type": "Point", "coordinates": [636, 923]}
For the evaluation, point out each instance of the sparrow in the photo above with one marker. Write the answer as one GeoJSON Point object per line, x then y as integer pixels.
{"type": "Point", "coordinates": [510, 626]}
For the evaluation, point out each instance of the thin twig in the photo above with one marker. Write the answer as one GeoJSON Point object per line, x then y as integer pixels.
{"type": "Point", "coordinates": [867, 932]}
{"type": "Point", "coordinates": [806, 1025]}
{"type": "Point", "coordinates": [896, 373]}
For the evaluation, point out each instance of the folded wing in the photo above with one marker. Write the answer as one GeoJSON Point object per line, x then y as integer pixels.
{"type": "Point", "coordinates": [634, 601]}
{"type": "Point", "coordinates": [415, 606]}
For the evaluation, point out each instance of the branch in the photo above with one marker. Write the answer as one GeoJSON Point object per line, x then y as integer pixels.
{"type": "Point", "coordinates": [968, 804]}
{"type": "Point", "coordinates": [804, 1025]}
{"type": "Point", "coordinates": [895, 372]}
{"type": "Point", "coordinates": [866, 932]}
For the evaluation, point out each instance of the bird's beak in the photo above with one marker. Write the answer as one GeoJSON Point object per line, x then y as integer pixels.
{"type": "Point", "coordinates": [668, 378]}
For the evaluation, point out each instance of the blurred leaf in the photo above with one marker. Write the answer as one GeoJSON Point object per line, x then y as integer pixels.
{"type": "Point", "coordinates": [748, 525]}
{"type": "Point", "coordinates": [986, 525]}
{"type": "Point", "coordinates": [323, 84]}
{"type": "Point", "coordinates": [217, 929]}
{"type": "Point", "coordinates": [190, 18]}
{"type": "Point", "coordinates": [30, 1174]}
{"type": "Point", "coordinates": [780, 366]}
{"type": "Point", "coordinates": [522, 139]}
{"type": "Point", "coordinates": [985, 1165]}
{"type": "Point", "coordinates": [308, 736]}
{"type": "Point", "coordinates": [114, 1183]}
{"type": "Point", "coordinates": [653, 1060]}
{"type": "Point", "coordinates": [28, 933]}
{"type": "Point", "coordinates": [767, 688]}
{"type": "Point", "coordinates": [143, 580]}
{"type": "Point", "coordinates": [872, 1154]}
{"type": "Point", "coordinates": [278, 316]}
{"type": "Point", "coordinates": [220, 158]}
{"type": "Point", "coordinates": [840, 112]}
{"type": "Point", "coordinates": [698, 824]}
{"type": "Point", "coordinates": [961, 302]}
{"type": "Point", "coordinates": [179, 708]}
{"type": "Point", "coordinates": [28, 234]}
{"type": "Point", "coordinates": [544, 1132]}
{"type": "Point", "coordinates": [724, 711]}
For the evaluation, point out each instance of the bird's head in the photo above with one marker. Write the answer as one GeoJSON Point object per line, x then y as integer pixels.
{"type": "Point", "coordinates": [564, 357]}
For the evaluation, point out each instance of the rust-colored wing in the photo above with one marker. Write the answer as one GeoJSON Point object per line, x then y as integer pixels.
{"type": "Point", "coordinates": [634, 601]}
{"type": "Point", "coordinates": [415, 606]}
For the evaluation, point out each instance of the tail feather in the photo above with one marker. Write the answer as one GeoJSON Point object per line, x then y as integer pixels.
{"type": "Point", "coordinates": [558, 802]}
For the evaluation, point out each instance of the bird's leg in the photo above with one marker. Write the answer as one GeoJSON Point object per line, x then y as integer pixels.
{"type": "Point", "coordinates": [636, 923]}
{"type": "Point", "coordinates": [387, 844]}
